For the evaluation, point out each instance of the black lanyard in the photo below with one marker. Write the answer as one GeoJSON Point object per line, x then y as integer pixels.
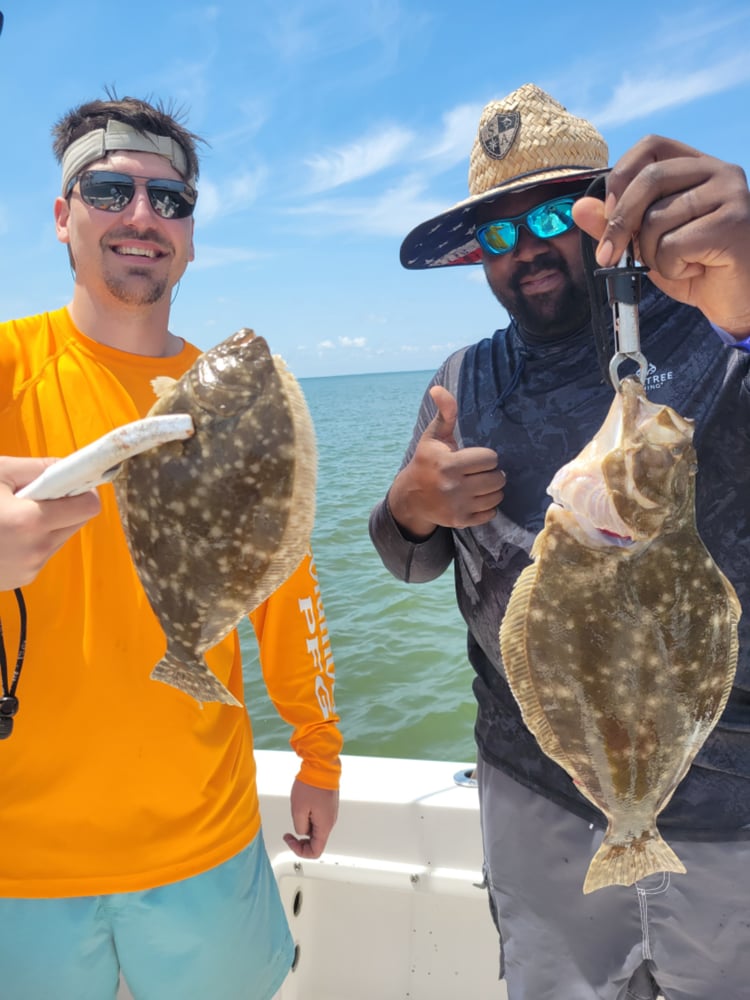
{"type": "Point", "coordinates": [8, 701]}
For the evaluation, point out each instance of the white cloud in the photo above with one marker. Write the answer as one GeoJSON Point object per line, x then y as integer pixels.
{"type": "Point", "coordinates": [253, 113]}
{"type": "Point", "coordinates": [390, 213]}
{"type": "Point", "coordinates": [362, 158]}
{"type": "Point", "coordinates": [346, 343]}
{"type": "Point", "coordinates": [636, 98]}
{"type": "Point", "coordinates": [695, 26]}
{"type": "Point", "coordinates": [459, 132]}
{"type": "Point", "coordinates": [235, 194]}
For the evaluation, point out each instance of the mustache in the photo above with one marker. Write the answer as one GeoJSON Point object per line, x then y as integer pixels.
{"type": "Point", "coordinates": [549, 261]}
{"type": "Point", "coordinates": [147, 235]}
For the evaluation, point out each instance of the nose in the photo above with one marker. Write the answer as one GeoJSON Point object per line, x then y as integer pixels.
{"type": "Point", "coordinates": [140, 207]}
{"type": "Point", "coordinates": [527, 245]}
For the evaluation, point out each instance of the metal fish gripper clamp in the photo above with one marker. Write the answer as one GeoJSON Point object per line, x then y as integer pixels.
{"type": "Point", "coordinates": [624, 294]}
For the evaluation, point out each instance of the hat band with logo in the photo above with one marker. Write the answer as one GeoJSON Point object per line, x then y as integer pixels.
{"type": "Point", "coordinates": [526, 139]}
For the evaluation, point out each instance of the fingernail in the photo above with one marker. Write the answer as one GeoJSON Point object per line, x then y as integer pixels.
{"type": "Point", "coordinates": [604, 254]}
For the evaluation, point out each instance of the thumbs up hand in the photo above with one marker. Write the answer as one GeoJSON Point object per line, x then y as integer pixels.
{"type": "Point", "coordinates": [444, 485]}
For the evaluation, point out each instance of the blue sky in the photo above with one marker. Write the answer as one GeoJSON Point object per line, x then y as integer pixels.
{"type": "Point", "coordinates": [334, 127]}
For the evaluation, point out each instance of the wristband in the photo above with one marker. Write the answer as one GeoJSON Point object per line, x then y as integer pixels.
{"type": "Point", "coordinates": [727, 338]}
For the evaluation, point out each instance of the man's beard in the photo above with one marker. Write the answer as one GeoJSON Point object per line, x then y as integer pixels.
{"type": "Point", "coordinates": [149, 289]}
{"type": "Point", "coordinates": [547, 316]}
{"type": "Point", "coordinates": [131, 294]}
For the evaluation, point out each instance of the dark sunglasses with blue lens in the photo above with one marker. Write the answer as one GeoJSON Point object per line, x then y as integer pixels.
{"type": "Point", "coordinates": [112, 192]}
{"type": "Point", "coordinates": [553, 218]}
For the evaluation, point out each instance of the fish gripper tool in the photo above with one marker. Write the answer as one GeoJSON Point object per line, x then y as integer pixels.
{"type": "Point", "coordinates": [624, 294]}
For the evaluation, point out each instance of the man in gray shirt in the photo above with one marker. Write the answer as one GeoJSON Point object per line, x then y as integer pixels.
{"type": "Point", "coordinates": [498, 419]}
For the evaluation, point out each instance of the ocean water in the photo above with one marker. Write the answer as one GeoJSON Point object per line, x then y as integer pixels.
{"type": "Point", "coordinates": [403, 682]}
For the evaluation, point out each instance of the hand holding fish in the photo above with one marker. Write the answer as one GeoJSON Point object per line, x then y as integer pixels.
{"type": "Point", "coordinates": [444, 485]}
{"type": "Point", "coordinates": [31, 532]}
{"type": "Point", "coordinates": [689, 217]}
{"type": "Point", "coordinates": [314, 812]}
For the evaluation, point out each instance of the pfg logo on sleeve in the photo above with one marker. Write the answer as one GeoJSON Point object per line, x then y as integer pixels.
{"type": "Point", "coordinates": [318, 645]}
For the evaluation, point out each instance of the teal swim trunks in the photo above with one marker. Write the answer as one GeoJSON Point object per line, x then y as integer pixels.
{"type": "Point", "coordinates": [221, 934]}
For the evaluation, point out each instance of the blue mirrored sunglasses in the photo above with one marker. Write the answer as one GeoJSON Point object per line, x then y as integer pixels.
{"type": "Point", "coordinates": [553, 218]}
{"type": "Point", "coordinates": [112, 192]}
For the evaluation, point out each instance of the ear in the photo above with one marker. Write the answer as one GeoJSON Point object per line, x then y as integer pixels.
{"type": "Point", "coordinates": [62, 217]}
{"type": "Point", "coordinates": [191, 253]}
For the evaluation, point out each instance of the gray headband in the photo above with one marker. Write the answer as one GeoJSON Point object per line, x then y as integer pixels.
{"type": "Point", "coordinates": [118, 136]}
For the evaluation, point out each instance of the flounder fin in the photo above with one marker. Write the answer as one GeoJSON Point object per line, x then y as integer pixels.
{"type": "Point", "coordinates": [616, 863]}
{"type": "Point", "coordinates": [513, 634]}
{"type": "Point", "coordinates": [195, 680]}
{"type": "Point", "coordinates": [162, 384]}
{"type": "Point", "coordinates": [295, 542]}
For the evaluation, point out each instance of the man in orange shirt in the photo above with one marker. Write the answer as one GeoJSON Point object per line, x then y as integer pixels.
{"type": "Point", "coordinates": [130, 837]}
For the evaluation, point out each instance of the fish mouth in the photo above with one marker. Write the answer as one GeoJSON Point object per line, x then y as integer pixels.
{"type": "Point", "coordinates": [591, 532]}
{"type": "Point", "coordinates": [623, 541]}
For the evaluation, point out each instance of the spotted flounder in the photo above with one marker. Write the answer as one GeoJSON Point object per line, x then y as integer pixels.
{"type": "Point", "coordinates": [217, 522]}
{"type": "Point", "coordinates": [620, 639]}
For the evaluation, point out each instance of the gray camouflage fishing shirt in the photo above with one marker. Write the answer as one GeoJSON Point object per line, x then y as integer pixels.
{"type": "Point", "coordinates": [537, 405]}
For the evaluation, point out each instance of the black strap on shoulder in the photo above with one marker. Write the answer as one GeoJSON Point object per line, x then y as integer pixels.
{"type": "Point", "coordinates": [9, 701]}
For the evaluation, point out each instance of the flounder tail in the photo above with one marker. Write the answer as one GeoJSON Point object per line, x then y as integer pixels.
{"type": "Point", "coordinates": [194, 679]}
{"type": "Point", "coordinates": [624, 862]}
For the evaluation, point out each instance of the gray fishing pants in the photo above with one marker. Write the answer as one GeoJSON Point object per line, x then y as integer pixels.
{"type": "Point", "coordinates": [684, 937]}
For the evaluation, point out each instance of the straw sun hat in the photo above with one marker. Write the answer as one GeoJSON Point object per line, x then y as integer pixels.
{"type": "Point", "coordinates": [524, 139]}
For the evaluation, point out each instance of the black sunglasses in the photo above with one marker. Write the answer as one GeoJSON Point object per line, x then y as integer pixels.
{"type": "Point", "coordinates": [112, 192]}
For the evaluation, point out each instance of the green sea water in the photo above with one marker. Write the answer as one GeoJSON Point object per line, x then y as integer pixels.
{"type": "Point", "coordinates": [403, 682]}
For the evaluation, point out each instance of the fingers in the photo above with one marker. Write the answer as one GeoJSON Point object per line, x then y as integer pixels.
{"type": "Point", "coordinates": [588, 215]}
{"type": "Point", "coordinates": [444, 485]}
{"type": "Point", "coordinates": [465, 461]}
{"type": "Point", "coordinates": [18, 472]}
{"type": "Point", "coordinates": [465, 497]}
{"type": "Point", "coordinates": [688, 216]}
{"type": "Point", "coordinates": [47, 515]}
{"type": "Point", "coordinates": [314, 813]}
{"type": "Point", "coordinates": [66, 515]}
{"type": "Point", "coordinates": [444, 422]}
{"type": "Point", "coordinates": [669, 199]}
{"type": "Point", "coordinates": [479, 496]}
{"type": "Point", "coordinates": [30, 531]}
{"type": "Point", "coordinates": [653, 169]}
{"type": "Point", "coordinates": [305, 847]}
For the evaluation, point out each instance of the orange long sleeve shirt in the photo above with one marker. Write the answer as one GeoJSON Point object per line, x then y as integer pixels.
{"type": "Point", "coordinates": [112, 782]}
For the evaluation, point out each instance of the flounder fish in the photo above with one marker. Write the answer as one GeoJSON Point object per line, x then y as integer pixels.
{"type": "Point", "coordinates": [217, 522]}
{"type": "Point", "coordinates": [620, 639]}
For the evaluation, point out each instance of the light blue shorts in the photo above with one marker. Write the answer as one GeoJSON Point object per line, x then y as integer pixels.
{"type": "Point", "coordinates": [221, 935]}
